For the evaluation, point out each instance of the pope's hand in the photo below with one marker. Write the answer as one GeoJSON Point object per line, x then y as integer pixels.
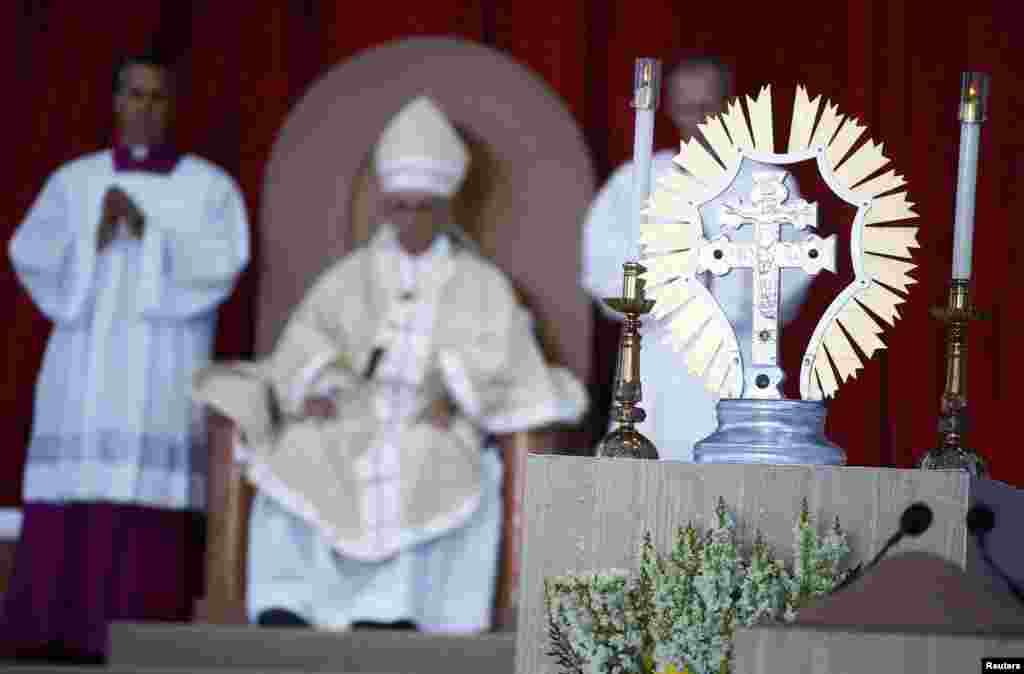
{"type": "Point", "coordinates": [440, 412]}
{"type": "Point", "coordinates": [319, 407]}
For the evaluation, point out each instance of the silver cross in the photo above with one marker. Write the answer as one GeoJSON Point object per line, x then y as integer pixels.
{"type": "Point", "coordinates": [767, 255]}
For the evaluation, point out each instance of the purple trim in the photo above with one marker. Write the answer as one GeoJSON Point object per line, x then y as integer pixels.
{"type": "Point", "coordinates": [80, 566]}
{"type": "Point", "coordinates": [162, 159]}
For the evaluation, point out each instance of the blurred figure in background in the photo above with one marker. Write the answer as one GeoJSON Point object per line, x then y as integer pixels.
{"type": "Point", "coordinates": [378, 502]}
{"type": "Point", "coordinates": [129, 252]}
{"type": "Point", "coordinates": [680, 411]}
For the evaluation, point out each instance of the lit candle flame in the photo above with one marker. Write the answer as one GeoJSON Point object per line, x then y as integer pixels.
{"type": "Point", "coordinates": [974, 90]}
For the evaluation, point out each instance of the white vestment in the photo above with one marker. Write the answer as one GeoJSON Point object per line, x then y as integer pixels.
{"type": "Point", "coordinates": [680, 411]}
{"type": "Point", "coordinates": [379, 514]}
{"type": "Point", "coordinates": [132, 324]}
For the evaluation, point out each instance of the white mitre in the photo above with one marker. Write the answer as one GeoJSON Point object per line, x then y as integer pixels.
{"type": "Point", "coordinates": [420, 151]}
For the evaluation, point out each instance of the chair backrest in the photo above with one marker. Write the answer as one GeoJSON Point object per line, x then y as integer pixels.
{"type": "Point", "coordinates": [527, 192]}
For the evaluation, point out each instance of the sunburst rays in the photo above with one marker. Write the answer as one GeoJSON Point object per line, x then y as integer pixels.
{"type": "Point", "coordinates": [847, 333]}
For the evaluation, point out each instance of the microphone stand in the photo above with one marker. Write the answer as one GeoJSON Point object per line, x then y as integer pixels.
{"type": "Point", "coordinates": [859, 570]}
{"type": "Point", "coordinates": [914, 521]}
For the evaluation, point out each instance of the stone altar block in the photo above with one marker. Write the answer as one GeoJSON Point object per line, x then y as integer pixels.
{"type": "Point", "coordinates": [808, 650]}
{"type": "Point", "coordinates": [583, 513]}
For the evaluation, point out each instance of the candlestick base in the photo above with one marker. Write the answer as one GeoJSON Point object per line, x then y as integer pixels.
{"type": "Point", "coordinates": [954, 458]}
{"type": "Point", "coordinates": [953, 417]}
{"type": "Point", "coordinates": [626, 441]}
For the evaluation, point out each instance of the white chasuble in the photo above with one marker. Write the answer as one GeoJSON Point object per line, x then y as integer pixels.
{"type": "Point", "coordinates": [680, 411]}
{"type": "Point", "coordinates": [386, 495]}
{"type": "Point", "coordinates": [132, 324]}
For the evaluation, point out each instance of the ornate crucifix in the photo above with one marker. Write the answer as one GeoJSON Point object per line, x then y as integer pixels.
{"type": "Point", "coordinates": [766, 256]}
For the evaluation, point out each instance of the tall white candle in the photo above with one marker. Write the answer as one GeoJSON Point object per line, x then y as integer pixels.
{"type": "Point", "coordinates": [646, 94]}
{"type": "Point", "coordinates": [973, 99]}
{"type": "Point", "coordinates": [963, 227]}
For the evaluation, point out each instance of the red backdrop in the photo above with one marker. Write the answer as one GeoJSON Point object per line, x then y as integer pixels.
{"type": "Point", "coordinates": [894, 65]}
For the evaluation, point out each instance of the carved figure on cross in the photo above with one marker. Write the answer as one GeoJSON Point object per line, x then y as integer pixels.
{"type": "Point", "coordinates": [766, 256]}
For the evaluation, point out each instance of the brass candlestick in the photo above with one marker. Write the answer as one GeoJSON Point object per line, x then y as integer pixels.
{"type": "Point", "coordinates": [953, 420]}
{"type": "Point", "coordinates": [626, 441]}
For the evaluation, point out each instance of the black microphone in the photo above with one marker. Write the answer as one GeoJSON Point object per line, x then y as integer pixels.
{"type": "Point", "coordinates": [914, 521]}
{"type": "Point", "coordinates": [980, 522]}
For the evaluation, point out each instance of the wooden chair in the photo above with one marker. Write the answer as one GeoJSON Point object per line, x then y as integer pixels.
{"type": "Point", "coordinates": [530, 183]}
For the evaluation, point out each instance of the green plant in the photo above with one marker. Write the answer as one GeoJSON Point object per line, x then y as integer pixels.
{"type": "Point", "coordinates": [677, 614]}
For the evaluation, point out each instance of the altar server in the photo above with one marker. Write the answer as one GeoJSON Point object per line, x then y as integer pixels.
{"type": "Point", "coordinates": [128, 252]}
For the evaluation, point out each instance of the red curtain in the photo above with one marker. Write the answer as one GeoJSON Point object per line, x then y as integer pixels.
{"type": "Point", "coordinates": [893, 65]}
